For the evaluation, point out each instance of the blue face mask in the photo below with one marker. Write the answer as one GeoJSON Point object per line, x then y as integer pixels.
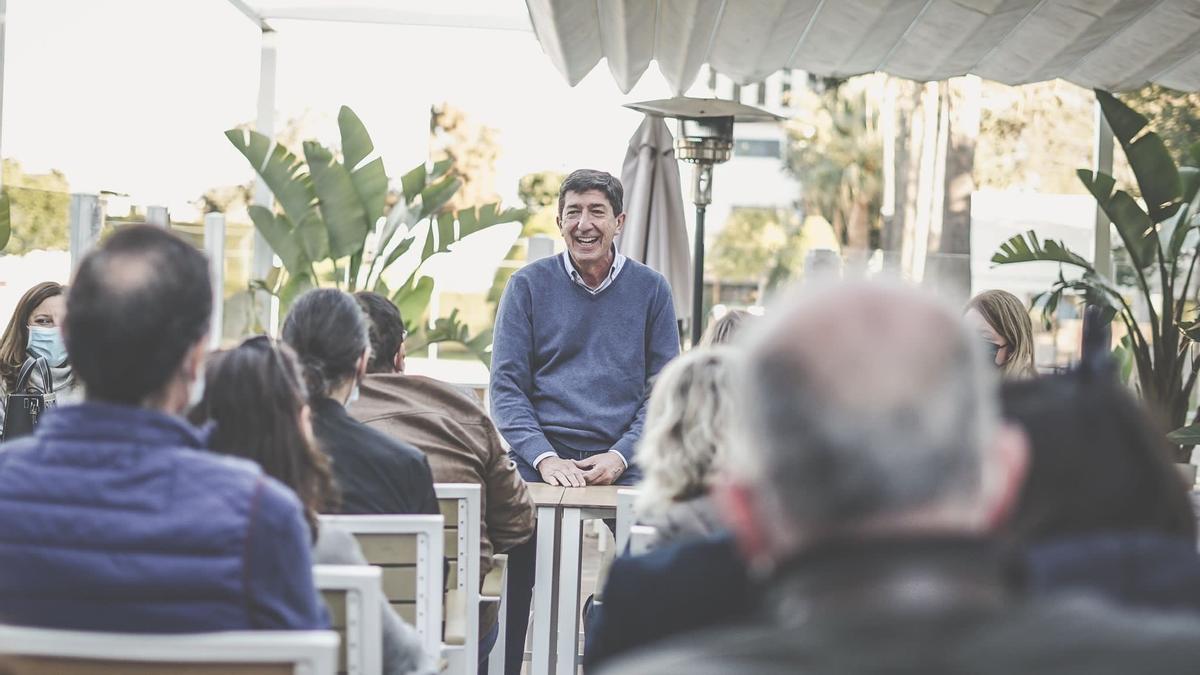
{"type": "Point", "coordinates": [48, 344]}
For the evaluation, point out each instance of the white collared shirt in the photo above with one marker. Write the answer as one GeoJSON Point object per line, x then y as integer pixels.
{"type": "Point", "coordinates": [618, 263]}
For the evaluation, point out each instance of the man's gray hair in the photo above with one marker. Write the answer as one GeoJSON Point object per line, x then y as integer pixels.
{"type": "Point", "coordinates": [863, 402]}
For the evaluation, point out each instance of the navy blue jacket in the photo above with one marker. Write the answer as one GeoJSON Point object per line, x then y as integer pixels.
{"type": "Point", "coordinates": [1133, 569]}
{"type": "Point", "coordinates": [115, 518]}
{"type": "Point", "coordinates": [674, 589]}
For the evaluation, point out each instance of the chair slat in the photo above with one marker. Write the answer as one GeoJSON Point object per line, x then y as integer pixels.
{"type": "Point", "coordinates": [388, 549]}
{"type": "Point", "coordinates": [400, 584]}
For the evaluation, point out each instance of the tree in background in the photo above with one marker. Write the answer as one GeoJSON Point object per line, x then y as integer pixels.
{"type": "Point", "coordinates": [1174, 115]}
{"type": "Point", "coordinates": [40, 210]}
{"type": "Point", "coordinates": [835, 152]}
{"type": "Point", "coordinates": [539, 192]}
{"type": "Point", "coordinates": [473, 149]}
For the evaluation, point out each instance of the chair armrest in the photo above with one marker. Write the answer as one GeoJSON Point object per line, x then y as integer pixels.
{"type": "Point", "coordinates": [494, 582]}
{"type": "Point", "coordinates": [455, 632]}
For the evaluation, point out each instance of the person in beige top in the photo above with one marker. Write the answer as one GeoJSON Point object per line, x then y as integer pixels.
{"type": "Point", "coordinates": [451, 428]}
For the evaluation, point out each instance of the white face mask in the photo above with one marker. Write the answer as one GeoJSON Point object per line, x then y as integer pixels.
{"type": "Point", "coordinates": [196, 391]}
{"type": "Point", "coordinates": [353, 395]}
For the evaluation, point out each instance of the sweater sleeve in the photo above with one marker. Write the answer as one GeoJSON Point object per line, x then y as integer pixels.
{"type": "Point", "coordinates": [280, 591]}
{"type": "Point", "coordinates": [662, 345]}
{"type": "Point", "coordinates": [512, 375]}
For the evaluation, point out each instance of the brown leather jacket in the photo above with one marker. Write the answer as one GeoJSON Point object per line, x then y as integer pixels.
{"type": "Point", "coordinates": [462, 446]}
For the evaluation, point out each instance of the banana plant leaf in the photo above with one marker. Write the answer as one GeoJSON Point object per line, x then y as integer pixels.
{"type": "Point", "coordinates": [277, 230]}
{"type": "Point", "coordinates": [1176, 228]}
{"type": "Point", "coordinates": [1152, 164]}
{"type": "Point", "coordinates": [436, 195]}
{"type": "Point", "coordinates": [1029, 248]}
{"type": "Point", "coordinates": [5, 220]}
{"type": "Point", "coordinates": [1189, 435]}
{"type": "Point", "coordinates": [1134, 225]}
{"type": "Point", "coordinates": [345, 218]}
{"type": "Point", "coordinates": [356, 142]}
{"type": "Point", "coordinates": [280, 170]}
{"type": "Point", "coordinates": [413, 300]}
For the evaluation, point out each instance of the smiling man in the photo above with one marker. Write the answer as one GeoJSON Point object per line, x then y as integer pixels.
{"type": "Point", "coordinates": [578, 337]}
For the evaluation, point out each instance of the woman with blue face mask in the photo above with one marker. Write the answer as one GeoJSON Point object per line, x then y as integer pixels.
{"type": "Point", "coordinates": [34, 332]}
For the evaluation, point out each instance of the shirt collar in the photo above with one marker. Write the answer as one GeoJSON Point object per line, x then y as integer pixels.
{"type": "Point", "coordinates": [617, 264]}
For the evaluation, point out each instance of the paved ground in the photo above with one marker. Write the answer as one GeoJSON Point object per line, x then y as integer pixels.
{"type": "Point", "coordinates": [591, 567]}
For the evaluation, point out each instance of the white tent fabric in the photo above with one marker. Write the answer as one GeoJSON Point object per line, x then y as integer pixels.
{"type": "Point", "coordinates": [1107, 44]}
{"type": "Point", "coordinates": [655, 231]}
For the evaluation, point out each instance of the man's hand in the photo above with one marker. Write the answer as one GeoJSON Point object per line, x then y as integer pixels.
{"type": "Point", "coordinates": [558, 471]}
{"type": "Point", "coordinates": [602, 468]}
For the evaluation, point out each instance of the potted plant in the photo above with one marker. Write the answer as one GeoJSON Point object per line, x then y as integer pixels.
{"type": "Point", "coordinates": [1159, 237]}
{"type": "Point", "coordinates": [333, 226]}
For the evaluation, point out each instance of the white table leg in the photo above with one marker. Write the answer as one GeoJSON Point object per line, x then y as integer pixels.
{"type": "Point", "coordinates": [571, 537]}
{"type": "Point", "coordinates": [543, 591]}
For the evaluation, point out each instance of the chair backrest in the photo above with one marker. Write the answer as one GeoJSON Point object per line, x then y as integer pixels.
{"type": "Point", "coordinates": [641, 539]}
{"type": "Point", "coordinates": [625, 499]}
{"type": "Point", "coordinates": [460, 505]}
{"type": "Point", "coordinates": [408, 549]}
{"type": "Point", "coordinates": [353, 596]}
{"type": "Point", "coordinates": [42, 651]}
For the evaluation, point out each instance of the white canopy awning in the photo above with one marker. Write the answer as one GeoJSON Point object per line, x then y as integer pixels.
{"type": "Point", "coordinates": [1107, 44]}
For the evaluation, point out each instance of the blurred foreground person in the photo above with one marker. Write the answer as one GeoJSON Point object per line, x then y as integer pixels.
{"type": "Point", "coordinates": [34, 334]}
{"type": "Point", "coordinates": [723, 330]}
{"type": "Point", "coordinates": [374, 472]}
{"type": "Point", "coordinates": [256, 397]}
{"type": "Point", "coordinates": [1003, 324]}
{"type": "Point", "coordinates": [113, 516]}
{"type": "Point", "coordinates": [866, 479]}
{"type": "Point", "coordinates": [457, 437]}
{"type": "Point", "coordinates": [1103, 509]}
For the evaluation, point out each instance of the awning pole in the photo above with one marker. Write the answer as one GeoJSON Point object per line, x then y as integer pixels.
{"type": "Point", "coordinates": [265, 125]}
{"type": "Point", "coordinates": [1102, 162]}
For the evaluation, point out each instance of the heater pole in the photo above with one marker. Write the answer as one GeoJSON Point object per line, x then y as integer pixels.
{"type": "Point", "coordinates": [698, 271]}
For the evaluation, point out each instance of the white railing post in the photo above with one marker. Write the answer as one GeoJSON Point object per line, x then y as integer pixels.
{"type": "Point", "coordinates": [214, 245]}
{"type": "Point", "coordinates": [158, 215]}
{"type": "Point", "coordinates": [87, 218]}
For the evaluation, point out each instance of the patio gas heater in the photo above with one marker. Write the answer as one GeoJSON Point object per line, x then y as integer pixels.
{"type": "Point", "coordinates": [705, 139]}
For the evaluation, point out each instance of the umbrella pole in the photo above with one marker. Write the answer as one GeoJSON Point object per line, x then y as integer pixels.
{"type": "Point", "coordinates": [698, 272]}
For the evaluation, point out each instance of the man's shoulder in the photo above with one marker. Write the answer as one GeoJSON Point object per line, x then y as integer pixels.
{"type": "Point", "coordinates": [643, 272]}
{"type": "Point", "coordinates": [542, 267]}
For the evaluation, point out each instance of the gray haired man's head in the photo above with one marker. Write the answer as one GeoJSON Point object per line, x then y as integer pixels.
{"type": "Point", "coordinates": [865, 406]}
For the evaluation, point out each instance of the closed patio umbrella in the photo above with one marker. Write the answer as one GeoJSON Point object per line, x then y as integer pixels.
{"type": "Point", "coordinates": [655, 232]}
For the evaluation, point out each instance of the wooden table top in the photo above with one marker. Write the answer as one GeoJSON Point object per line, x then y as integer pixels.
{"type": "Point", "coordinates": [592, 496]}
{"type": "Point", "coordinates": [545, 495]}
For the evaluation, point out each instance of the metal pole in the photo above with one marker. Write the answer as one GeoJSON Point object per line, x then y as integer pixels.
{"type": "Point", "coordinates": [265, 125]}
{"type": "Point", "coordinates": [158, 215]}
{"type": "Point", "coordinates": [1102, 163]}
{"type": "Point", "coordinates": [214, 244]}
{"type": "Point", "coordinates": [698, 271]}
{"type": "Point", "coordinates": [87, 219]}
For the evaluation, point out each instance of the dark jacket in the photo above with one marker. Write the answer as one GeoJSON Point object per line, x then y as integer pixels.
{"type": "Point", "coordinates": [462, 446]}
{"type": "Point", "coordinates": [115, 518]}
{"type": "Point", "coordinates": [924, 606]}
{"type": "Point", "coordinates": [1134, 569]}
{"type": "Point", "coordinates": [671, 590]}
{"type": "Point", "coordinates": [375, 473]}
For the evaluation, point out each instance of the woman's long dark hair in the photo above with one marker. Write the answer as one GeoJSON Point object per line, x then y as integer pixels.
{"type": "Point", "coordinates": [1098, 462]}
{"type": "Point", "coordinates": [15, 342]}
{"type": "Point", "coordinates": [327, 329]}
{"type": "Point", "coordinates": [256, 396]}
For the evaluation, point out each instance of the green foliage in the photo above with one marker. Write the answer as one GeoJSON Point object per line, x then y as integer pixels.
{"type": "Point", "coordinates": [1155, 237]}
{"type": "Point", "coordinates": [334, 227]}
{"type": "Point", "coordinates": [1174, 115]}
{"type": "Point", "coordinates": [38, 209]}
{"type": "Point", "coordinates": [749, 244]}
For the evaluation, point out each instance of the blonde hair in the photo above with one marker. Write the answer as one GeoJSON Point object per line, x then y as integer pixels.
{"type": "Point", "coordinates": [688, 427]}
{"type": "Point", "coordinates": [723, 330]}
{"type": "Point", "coordinates": [1007, 315]}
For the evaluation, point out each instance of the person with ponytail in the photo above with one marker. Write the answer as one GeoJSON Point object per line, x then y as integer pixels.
{"type": "Point", "coordinates": [373, 472]}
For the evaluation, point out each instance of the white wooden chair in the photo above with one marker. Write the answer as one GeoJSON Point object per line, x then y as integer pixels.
{"type": "Point", "coordinates": [642, 539]}
{"type": "Point", "coordinates": [460, 504]}
{"type": "Point", "coordinates": [408, 549]}
{"type": "Point", "coordinates": [354, 599]}
{"type": "Point", "coordinates": [625, 516]}
{"type": "Point", "coordinates": [41, 651]}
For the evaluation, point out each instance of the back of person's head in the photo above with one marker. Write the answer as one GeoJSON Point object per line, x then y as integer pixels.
{"type": "Point", "coordinates": [1009, 317]}
{"type": "Point", "coordinates": [14, 345]}
{"type": "Point", "coordinates": [867, 408]}
{"type": "Point", "coordinates": [328, 331]}
{"type": "Point", "coordinates": [688, 425]}
{"type": "Point", "coordinates": [724, 329]}
{"type": "Point", "coordinates": [1098, 463]}
{"type": "Point", "coordinates": [256, 397]}
{"type": "Point", "coordinates": [386, 330]}
{"type": "Point", "coordinates": [138, 315]}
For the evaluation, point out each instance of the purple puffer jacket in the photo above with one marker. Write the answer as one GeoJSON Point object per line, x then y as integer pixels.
{"type": "Point", "coordinates": [115, 518]}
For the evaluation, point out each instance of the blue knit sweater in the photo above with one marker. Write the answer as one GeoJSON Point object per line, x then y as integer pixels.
{"type": "Point", "coordinates": [571, 370]}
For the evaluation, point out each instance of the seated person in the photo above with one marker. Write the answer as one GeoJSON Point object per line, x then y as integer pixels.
{"type": "Point", "coordinates": [1103, 509]}
{"type": "Point", "coordinates": [374, 472]}
{"type": "Point", "coordinates": [115, 517]}
{"type": "Point", "coordinates": [688, 425]}
{"type": "Point", "coordinates": [455, 433]}
{"type": "Point", "coordinates": [256, 397]}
